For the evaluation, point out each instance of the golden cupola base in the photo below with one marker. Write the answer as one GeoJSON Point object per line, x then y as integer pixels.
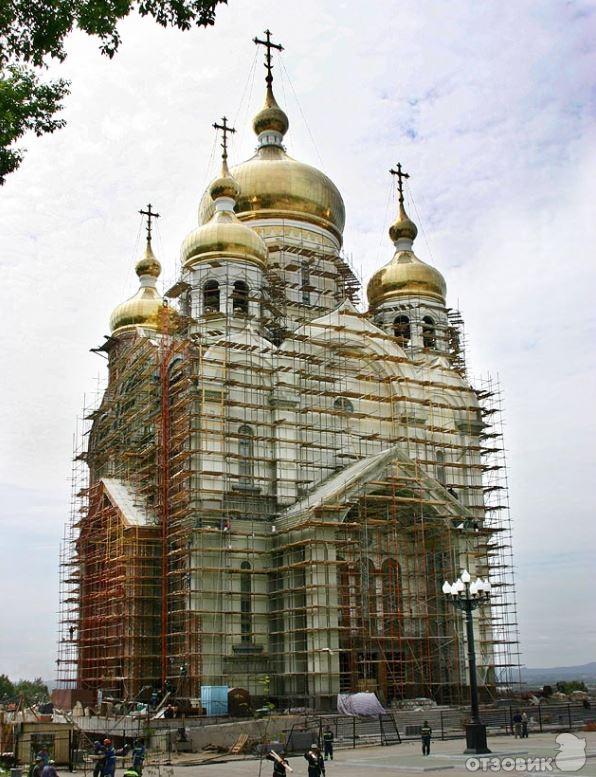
{"type": "Point", "coordinates": [273, 185]}
{"type": "Point", "coordinates": [405, 275]}
{"type": "Point", "coordinates": [146, 308]}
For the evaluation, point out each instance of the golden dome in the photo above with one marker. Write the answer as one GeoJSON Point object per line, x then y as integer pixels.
{"type": "Point", "coordinates": [270, 117]}
{"type": "Point", "coordinates": [224, 234]}
{"type": "Point", "coordinates": [148, 264]}
{"type": "Point", "coordinates": [405, 275]}
{"type": "Point", "coordinates": [403, 227]}
{"type": "Point", "coordinates": [273, 185]}
{"type": "Point", "coordinates": [146, 307]}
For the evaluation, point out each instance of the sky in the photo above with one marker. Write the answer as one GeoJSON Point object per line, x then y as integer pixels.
{"type": "Point", "coordinates": [490, 108]}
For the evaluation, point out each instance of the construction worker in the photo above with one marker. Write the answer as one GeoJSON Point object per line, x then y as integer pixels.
{"type": "Point", "coordinates": [138, 756]}
{"type": "Point", "coordinates": [426, 733]}
{"type": "Point", "coordinates": [316, 764]}
{"type": "Point", "coordinates": [279, 763]}
{"type": "Point", "coordinates": [36, 768]}
{"type": "Point", "coordinates": [49, 770]}
{"type": "Point", "coordinates": [109, 761]}
{"type": "Point", "coordinates": [328, 743]}
{"type": "Point", "coordinates": [99, 753]}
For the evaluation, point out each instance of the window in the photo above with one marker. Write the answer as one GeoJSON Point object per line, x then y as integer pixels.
{"type": "Point", "coordinates": [441, 468]}
{"type": "Point", "coordinates": [240, 298]}
{"type": "Point", "coordinates": [305, 281]}
{"type": "Point", "coordinates": [429, 339]}
{"type": "Point", "coordinates": [391, 589]}
{"type": "Point", "coordinates": [344, 405]}
{"type": "Point", "coordinates": [245, 603]}
{"type": "Point", "coordinates": [402, 331]}
{"type": "Point", "coordinates": [211, 297]}
{"type": "Point", "coordinates": [246, 447]}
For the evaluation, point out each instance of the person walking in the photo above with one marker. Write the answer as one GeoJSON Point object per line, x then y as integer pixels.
{"type": "Point", "coordinates": [138, 756]}
{"type": "Point", "coordinates": [426, 733]}
{"type": "Point", "coordinates": [517, 724]}
{"type": "Point", "coordinates": [109, 761]}
{"type": "Point", "coordinates": [524, 725]}
{"type": "Point", "coordinates": [36, 768]}
{"type": "Point", "coordinates": [99, 754]}
{"type": "Point", "coordinates": [279, 763]}
{"type": "Point", "coordinates": [316, 764]}
{"type": "Point", "coordinates": [328, 743]}
{"type": "Point", "coordinates": [49, 770]}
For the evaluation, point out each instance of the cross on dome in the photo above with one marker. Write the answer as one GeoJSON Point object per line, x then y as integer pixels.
{"type": "Point", "coordinates": [225, 128]}
{"type": "Point", "coordinates": [400, 180]}
{"type": "Point", "coordinates": [151, 214]}
{"type": "Point", "coordinates": [268, 46]}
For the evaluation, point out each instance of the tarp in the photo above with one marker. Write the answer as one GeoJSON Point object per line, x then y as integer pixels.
{"type": "Point", "coordinates": [362, 704]}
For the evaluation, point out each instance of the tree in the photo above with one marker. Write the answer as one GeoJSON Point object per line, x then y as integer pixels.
{"type": "Point", "coordinates": [33, 691]}
{"type": "Point", "coordinates": [568, 686]}
{"type": "Point", "coordinates": [33, 32]}
{"type": "Point", "coordinates": [6, 688]}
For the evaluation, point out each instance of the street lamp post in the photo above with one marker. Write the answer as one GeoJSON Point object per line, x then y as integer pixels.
{"type": "Point", "coordinates": [467, 596]}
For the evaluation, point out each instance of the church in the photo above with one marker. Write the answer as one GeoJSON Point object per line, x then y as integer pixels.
{"type": "Point", "coordinates": [279, 476]}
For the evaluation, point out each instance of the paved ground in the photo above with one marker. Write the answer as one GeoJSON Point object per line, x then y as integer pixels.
{"type": "Point", "coordinates": [509, 756]}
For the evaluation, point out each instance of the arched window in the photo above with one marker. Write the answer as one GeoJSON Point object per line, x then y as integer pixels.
{"type": "Point", "coordinates": [391, 588]}
{"type": "Point", "coordinates": [246, 449]}
{"type": "Point", "coordinates": [211, 297]}
{"type": "Point", "coordinates": [343, 405]}
{"type": "Point", "coordinates": [402, 330]}
{"type": "Point", "coordinates": [240, 298]}
{"type": "Point", "coordinates": [305, 282]}
{"type": "Point", "coordinates": [245, 603]}
{"type": "Point", "coordinates": [441, 468]}
{"type": "Point", "coordinates": [429, 339]}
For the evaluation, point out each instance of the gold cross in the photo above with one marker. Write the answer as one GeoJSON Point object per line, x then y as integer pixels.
{"type": "Point", "coordinates": [268, 45]}
{"type": "Point", "coordinates": [151, 214]}
{"type": "Point", "coordinates": [225, 128]}
{"type": "Point", "coordinates": [400, 180]}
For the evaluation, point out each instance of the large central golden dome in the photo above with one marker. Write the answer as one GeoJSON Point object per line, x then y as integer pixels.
{"type": "Point", "coordinates": [273, 185]}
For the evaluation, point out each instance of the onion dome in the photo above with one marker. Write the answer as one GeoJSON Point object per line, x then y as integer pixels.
{"type": "Point", "coordinates": [224, 235]}
{"type": "Point", "coordinates": [405, 275]}
{"type": "Point", "coordinates": [273, 185]}
{"type": "Point", "coordinates": [145, 308]}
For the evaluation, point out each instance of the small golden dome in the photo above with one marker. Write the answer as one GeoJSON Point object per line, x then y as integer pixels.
{"type": "Point", "coordinates": [403, 227]}
{"type": "Point", "coordinates": [405, 275]}
{"type": "Point", "coordinates": [225, 185]}
{"type": "Point", "coordinates": [148, 264]}
{"type": "Point", "coordinates": [146, 307]}
{"type": "Point", "coordinates": [270, 117]}
{"type": "Point", "coordinates": [273, 185]}
{"type": "Point", "coordinates": [225, 236]}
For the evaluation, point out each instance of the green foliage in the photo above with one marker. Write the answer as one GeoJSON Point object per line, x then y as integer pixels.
{"type": "Point", "coordinates": [33, 691]}
{"type": "Point", "coordinates": [568, 686]}
{"type": "Point", "coordinates": [34, 31]}
{"type": "Point", "coordinates": [25, 104]}
{"type": "Point", "coordinates": [6, 688]}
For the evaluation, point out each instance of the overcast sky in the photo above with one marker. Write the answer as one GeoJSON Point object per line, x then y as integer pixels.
{"type": "Point", "coordinates": [489, 106]}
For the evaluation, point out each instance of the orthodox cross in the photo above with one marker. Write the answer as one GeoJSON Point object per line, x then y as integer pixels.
{"type": "Point", "coordinates": [400, 180]}
{"type": "Point", "coordinates": [268, 45]}
{"type": "Point", "coordinates": [151, 214]}
{"type": "Point", "coordinates": [225, 128]}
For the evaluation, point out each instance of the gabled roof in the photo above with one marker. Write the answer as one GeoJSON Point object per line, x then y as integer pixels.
{"type": "Point", "coordinates": [128, 503]}
{"type": "Point", "coordinates": [346, 487]}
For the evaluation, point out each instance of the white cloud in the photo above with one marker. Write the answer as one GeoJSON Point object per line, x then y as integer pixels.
{"type": "Point", "coordinates": [488, 106]}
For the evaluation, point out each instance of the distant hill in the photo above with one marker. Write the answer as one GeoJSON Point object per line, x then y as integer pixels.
{"type": "Point", "coordinates": [585, 672]}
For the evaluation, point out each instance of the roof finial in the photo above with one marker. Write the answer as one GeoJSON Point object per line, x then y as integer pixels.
{"type": "Point", "coordinates": [225, 128]}
{"type": "Point", "coordinates": [151, 214]}
{"type": "Point", "coordinates": [268, 46]}
{"type": "Point", "coordinates": [400, 181]}
{"type": "Point", "coordinates": [404, 227]}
